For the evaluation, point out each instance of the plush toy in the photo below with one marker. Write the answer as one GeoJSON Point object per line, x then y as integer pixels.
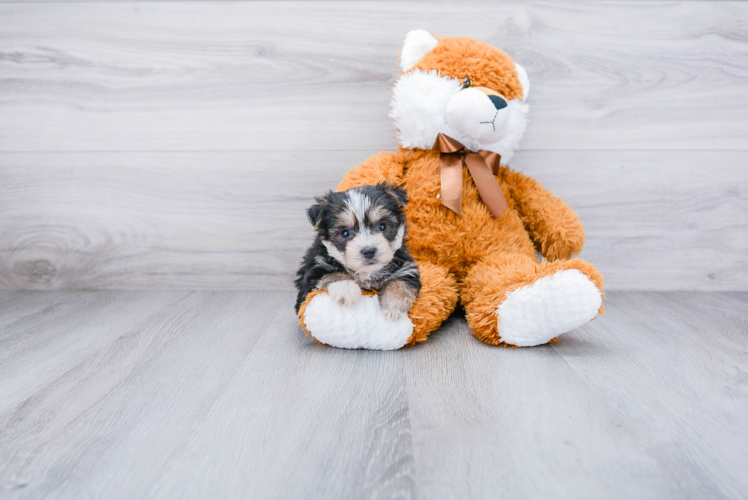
{"type": "Point", "coordinates": [474, 225]}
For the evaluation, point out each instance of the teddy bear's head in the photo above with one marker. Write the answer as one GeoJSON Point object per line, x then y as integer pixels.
{"type": "Point", "coordinates": [460, 87]}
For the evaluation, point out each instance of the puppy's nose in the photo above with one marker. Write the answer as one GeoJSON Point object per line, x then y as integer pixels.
{"type": "Point", "coordinates": [498, 102]}
{"type": "Point", "coordinates": [369, 252]}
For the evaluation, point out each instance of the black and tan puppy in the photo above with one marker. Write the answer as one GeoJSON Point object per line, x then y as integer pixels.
{"type": "Point", "coordinates": [359, 245]}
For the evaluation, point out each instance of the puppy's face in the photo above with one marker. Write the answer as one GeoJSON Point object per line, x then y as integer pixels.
{"type": "Point", "coordinates": [361, 228]}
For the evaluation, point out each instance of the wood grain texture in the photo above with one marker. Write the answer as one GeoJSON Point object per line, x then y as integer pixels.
{"type": "Point", "coordinates": [654, 220]}
{"type": "Point", "coordinates": [647, 401]}
{"type": "Point", "coordinates": [233, 76]}
{"type": "Point", "coordinates": [176, 145]}
{"type": "Point", "coordinates": [169, 394]}
{"type": "Point", "coordinates": [131, 388]}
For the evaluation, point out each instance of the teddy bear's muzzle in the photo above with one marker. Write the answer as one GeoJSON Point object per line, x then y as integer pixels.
{"type": "Point", "coordinates": [480, 113]}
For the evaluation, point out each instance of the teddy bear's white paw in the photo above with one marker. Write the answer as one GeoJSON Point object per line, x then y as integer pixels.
{"type": "Point", "coordinates": [361, 326]}
{"type": "Point", "coordinates": [345, 292]}
{"type": "Point", "coordinates": [553, 305]}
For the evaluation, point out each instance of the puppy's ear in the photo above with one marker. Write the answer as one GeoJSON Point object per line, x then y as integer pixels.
{"type": "Point", "coordinates": [317, 211]}
{"type": "Point", "coordinates": [399, 196]}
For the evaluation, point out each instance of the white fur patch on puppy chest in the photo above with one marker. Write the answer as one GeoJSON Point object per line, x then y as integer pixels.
{"type": "Point", "coordinates": [553, 305]}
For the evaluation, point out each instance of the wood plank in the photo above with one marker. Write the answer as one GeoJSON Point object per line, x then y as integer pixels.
{"type": "Point", "coordinates": [60, 342]}
{"type": "Point", "coordinates": [654, 220]}
{"type": "Point", "coordinates": [164, 76]}
{"type": "Point", "coordinates": [655, 399]}
{"type": "Point", "coordinates": [223, 383]}
{"type": "Point", "coordinates": [209, 220]}
{"type": "Point", "coordinates": [519, 423]}
{"type": "Point", "coordinates": [674, 365]}
{"type": "Point", "coordinates": [314, 422]}
{"type": "Point", "coordinates": [132, 392]}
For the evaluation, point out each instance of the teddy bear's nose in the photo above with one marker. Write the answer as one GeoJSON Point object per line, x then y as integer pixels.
{"type": "Point", "coordinates": [498, 101]}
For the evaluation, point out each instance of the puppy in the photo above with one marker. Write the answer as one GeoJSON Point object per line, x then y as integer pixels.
{"type": "Point", "coordinates": [359, 245]}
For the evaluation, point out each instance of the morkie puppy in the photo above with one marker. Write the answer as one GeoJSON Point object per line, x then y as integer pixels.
{"type": "Point", "coordinates": [359, 245]}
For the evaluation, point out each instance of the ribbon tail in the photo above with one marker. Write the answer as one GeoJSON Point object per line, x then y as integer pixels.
{"type": "Point", "coordinates": [451, 178]}
{"type": "Point", "coordinates": [492, 159]}
{"type": "Point", "coordinates": [488, 187]}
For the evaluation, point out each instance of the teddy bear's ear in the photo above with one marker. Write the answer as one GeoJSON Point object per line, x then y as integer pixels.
{"type": "Point", "coordinates": [417, 44]}
{"type": "Point", "coordinates": [524, 80]}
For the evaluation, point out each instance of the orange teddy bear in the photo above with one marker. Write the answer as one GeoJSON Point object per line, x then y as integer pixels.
{"type": "Point", "coordinates": [474, 225]}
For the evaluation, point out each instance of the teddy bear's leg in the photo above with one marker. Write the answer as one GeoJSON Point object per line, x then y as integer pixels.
{"type": "Point", "coordinates": [363, 326]}
{"type": "Point", "coordinates": [510, 299]}
{"type": "Point", "coordinates": [436, 301]}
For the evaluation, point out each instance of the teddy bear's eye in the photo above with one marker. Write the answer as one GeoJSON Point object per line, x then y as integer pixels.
{"type": "Point", "coordinates": [466, 82]}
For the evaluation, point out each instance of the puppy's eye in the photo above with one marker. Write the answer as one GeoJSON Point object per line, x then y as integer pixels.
{"type": "Point", "coordinates": [381, 226]}
{"type": "Point", "coordinates": [466, 82]}
{"type": "Point", "coordinates": [345, 233]}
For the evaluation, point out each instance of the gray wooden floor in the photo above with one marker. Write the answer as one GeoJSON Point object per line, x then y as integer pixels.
{"type": "Point", "coordinates": [218, 395]}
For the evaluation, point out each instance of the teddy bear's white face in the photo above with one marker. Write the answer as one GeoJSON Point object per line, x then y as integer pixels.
{"type": "Point", "coordinates": [479, 113]}
{"type": "Point", "coordinates": [425, 104]}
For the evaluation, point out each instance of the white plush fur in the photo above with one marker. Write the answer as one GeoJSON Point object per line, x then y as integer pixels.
{"type": "Point", "coordinates": [524, 80]}
{"type": "Point", "coordinates": [419, 104]}
{"type": "Point", "coordinates": [417, 44]}
{"type": "Point", "coordinates": [362, 326]}
{"type": "Point", "coordinates": [553, 305]}
{"type": "Point", "coordinates": [472, 113]}
{"type": "Point", "coordinates": [418, 107]}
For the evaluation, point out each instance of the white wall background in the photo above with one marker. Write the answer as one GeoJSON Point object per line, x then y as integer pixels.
{"type": "Point", "coordinates": [176, 145]}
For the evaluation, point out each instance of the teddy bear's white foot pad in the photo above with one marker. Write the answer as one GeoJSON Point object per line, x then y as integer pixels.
{"type": "Point", "coordinates": [553, 305]}
{"type": "Point", "coordinates": [362, 326]}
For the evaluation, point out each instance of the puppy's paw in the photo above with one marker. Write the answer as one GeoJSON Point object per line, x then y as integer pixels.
{"type": "Point", "coordinates": [396, 300]}
{"type": "Point", "coordinates": [394, 307]}
{"type": "Point", "coordinates": [393, 313]}
{"type": "Point", "coordinates": [346, 292]}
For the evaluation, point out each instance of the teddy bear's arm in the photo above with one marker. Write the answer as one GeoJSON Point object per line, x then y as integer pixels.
{"type": "Point", "coordinates": [385, 166]}
{"type": "Point", "coordinates": [553, 226]}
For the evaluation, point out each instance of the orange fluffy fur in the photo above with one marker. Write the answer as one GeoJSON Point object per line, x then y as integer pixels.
{"type": "Point", "coordinates": [474, 257]}
{"type": "Point", "coordinates": [486, 66]}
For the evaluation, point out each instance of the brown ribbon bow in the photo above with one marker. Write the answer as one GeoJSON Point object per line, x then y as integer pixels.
{"type": "Point", "coordinates": [453, 153]}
